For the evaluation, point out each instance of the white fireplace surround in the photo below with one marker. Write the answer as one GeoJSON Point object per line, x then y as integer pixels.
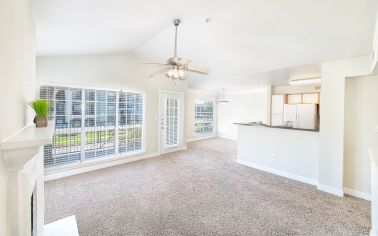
{"type": "Point", "coordinates": [23, 158]}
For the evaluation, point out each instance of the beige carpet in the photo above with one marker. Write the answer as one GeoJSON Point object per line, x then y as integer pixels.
{"type": "Point", "coordinates": [200, 191]}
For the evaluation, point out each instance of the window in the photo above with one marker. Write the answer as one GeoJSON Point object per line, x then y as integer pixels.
{"type": "Point", "coordinates": [171, 122]}
{"type": "Point", "coordinates": [203, 117]}
{"type": "Point", "coordinates": [92, 124]}
{"type": "Point", "coordinates": [130, 121]}
{"type": "Point", "coordinates": [100, 125]}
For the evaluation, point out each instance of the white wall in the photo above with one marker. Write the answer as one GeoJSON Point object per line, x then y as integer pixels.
{"type": "Point", "coordinates": [332, 119]}
{"type": "Point", "coordinates": [245, 106]}
{"type": "Point", "coordinates": [17, 64]}
{"type": "Point", "coordinates": [191, 97]}
{"type": "Point", "coordinates": [290, 153]}
{"type": "Point", "coordinates": [113, 71]}
{"type": "Point", "coordinates": [361, 114]}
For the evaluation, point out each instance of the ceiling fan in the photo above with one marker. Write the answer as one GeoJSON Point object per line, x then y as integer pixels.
{"type": "Point", "coordinates": [176, 67]}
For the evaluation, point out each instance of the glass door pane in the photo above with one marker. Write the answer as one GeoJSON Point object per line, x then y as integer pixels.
{"type": "Point", "coordinates": [171, 122]}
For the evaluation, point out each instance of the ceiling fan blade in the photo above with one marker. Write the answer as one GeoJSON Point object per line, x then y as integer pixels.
{"type": "Point", "coordinates": [198, 69]}
{"type": "Point", "coordinates": [159, 72]}
{"type": "Point", "coordinates": [155, 63]}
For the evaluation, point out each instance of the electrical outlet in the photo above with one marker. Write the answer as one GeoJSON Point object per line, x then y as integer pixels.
{"type": "Point", "coordinates": [376, 128]}
{"type": "Point", "coordinates": [274, 156]}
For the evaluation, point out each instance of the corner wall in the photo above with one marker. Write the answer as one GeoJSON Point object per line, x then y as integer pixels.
{"type": "Point", "coordinates": [17, 69]}
{"type": "Point", "coordinates": [332, 119]}
{"type": "Point", "coordinates": [361, 114]}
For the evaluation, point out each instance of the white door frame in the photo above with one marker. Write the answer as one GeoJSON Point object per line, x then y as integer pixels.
{"type": "Point", "coordinates": [181, 144]}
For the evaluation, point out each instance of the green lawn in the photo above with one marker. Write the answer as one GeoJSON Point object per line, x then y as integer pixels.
{"type": "Point", "coordinates": [75, 139]}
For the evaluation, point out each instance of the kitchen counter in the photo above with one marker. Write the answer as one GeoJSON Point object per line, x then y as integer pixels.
{"type": "Point", "coordinates": [275, 127]}
{"type": "Point", "coordinates": [289, 152]}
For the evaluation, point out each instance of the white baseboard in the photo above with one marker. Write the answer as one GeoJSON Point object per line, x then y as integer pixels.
{"type": "Point", "coordinates": [331, 190]}
{"type": "Point", "coordinates": [279, 172]}
{"type": "Point", "coordinates": [227, 137]}
{"type": "Point", "coordinates": [200, 138]}
{"type": "Point", "coordinates": [79, 169]}
{"type": "Point", "coordinates": [356, 193]}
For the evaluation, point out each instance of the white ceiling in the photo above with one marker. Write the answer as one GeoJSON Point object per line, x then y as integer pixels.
{"type": "Point", "coordinates": [244, 38]}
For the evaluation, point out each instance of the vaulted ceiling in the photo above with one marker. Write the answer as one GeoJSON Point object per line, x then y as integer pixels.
{"type": "Point", "coordinates": [243, 37]}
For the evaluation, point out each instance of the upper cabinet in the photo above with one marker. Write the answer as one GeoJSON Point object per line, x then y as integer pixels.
{"type": "Point", "coordinates": [304, 98]}
{"type": "Point", "coordinates": [294, 98]}
{"type": "Point", "coordinates": [311, 98]}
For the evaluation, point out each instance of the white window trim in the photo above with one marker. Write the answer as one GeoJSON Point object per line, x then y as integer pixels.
{"type": "Point", "coordinates": [210, 134]}
{"type": "Point", "coordinates": [182, 140]}
{"type": "Point", "coordinates": [108, 158]}
{"type": "Point", "coordinates": [95, 161]}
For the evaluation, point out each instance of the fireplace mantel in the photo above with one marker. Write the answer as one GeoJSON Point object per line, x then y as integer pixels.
{"type": "Point", "coordinates": [22, 146]}
{"type": "Point", "coordinates": [23, 160]}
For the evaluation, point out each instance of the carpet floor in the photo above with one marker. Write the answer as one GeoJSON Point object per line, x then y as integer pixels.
{"type": "Point", "coordinates": [200, 191]}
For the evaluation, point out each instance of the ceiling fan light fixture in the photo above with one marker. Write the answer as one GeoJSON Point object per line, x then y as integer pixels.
{"type": "Point", "coordinates": [223, 99]}
{"type": "Point", "coordinates": [177, 67]}
{"type": "Point", "coordinates": [176, 73]}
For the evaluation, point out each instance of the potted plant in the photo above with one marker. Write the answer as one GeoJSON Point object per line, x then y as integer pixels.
{"type": "Point", "coordinates": [41, 108]}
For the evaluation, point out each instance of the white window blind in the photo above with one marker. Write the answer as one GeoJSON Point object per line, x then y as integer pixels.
{"type": "Point", "coordinates": [171, 122]}
{"type": "Point", "coordinates": [65, 106]}
{"type": "Point", "coordinates": [130, 121]}
{"type": "Point", "coordinates": [203, 117]}
{"type": "Point", "coordinates": [100, 123]}
{"type": "Point", "coordinates": [86, 124]}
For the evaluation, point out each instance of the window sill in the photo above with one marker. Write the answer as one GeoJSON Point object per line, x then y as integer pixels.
{"type": "Point", "coordinates": [204, 135]}
{"type": "Point", "coordinates": [89, 165]}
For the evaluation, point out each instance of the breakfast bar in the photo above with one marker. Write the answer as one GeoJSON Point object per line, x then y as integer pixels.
{"type": "Point", "coordinates": [286, 151]}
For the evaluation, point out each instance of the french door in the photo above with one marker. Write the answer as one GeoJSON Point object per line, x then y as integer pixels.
{"type": "Point", "coordinates": [171, 121]}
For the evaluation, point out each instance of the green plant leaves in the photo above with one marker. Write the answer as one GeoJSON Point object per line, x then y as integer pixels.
{"type": "Point", "coordinates": [40, 106]}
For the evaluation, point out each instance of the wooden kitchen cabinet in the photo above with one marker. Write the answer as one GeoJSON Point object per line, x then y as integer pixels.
{"type": "Point", "coordinates": [294, 98]}
{"type": "Point", "coordinates": [310, 98]}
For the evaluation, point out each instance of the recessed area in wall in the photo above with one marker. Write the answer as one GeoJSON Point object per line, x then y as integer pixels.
{"type": "Point", "coordinates": [361, 114]}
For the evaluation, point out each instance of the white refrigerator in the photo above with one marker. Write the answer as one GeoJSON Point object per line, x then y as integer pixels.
{"type": "Point", "coordinates": [303, 116]}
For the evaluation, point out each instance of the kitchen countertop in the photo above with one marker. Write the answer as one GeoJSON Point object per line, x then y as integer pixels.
{"type": "Point", "coordinates": [275, 127]}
